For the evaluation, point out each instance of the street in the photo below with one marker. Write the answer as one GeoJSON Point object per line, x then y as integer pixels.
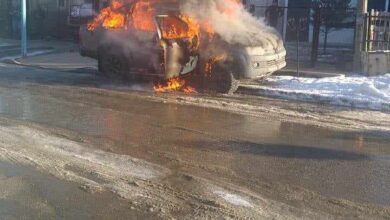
{"type": "Point", "coordinates": [70, 139]}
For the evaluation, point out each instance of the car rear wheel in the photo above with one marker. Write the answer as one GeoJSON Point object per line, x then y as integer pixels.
{"type": "Point", "coordinates": [112, 66]}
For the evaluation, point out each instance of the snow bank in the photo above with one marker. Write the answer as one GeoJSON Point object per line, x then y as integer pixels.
{"type": "Point", "coordinates": [354, 91]}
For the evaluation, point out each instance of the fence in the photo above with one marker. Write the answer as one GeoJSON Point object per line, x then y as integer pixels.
{"type": "Point", "coordinates": [377, 31]}
{"type": "Point", "coordinates": [335, 35]}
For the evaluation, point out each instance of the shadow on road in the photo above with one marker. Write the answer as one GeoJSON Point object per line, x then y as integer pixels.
{"type": "Point", "coordinates": [293, 151]}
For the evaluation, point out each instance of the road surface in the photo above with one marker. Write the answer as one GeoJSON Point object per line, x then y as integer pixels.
{"type": "Point", "coordinates": [77, 146]}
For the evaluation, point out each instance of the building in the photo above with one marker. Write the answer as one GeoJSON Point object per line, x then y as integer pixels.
{"type": "Point", "coordinates": [5, 21]}
{"type": "Point", "coordinates": [46, 18]}
{"type": "Point", "coordinates": [379, 5]}
{"type": "Point", "coordinates": [300, 10]}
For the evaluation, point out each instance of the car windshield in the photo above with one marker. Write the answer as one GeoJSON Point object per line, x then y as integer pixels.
{"type": "Point", "coordinates": [187, 109]}
{"type": "Point", "coordinates": [172, 27]}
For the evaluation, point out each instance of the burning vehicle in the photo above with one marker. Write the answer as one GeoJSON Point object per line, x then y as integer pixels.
{"type": "Point", "coordinates": [185, 45]}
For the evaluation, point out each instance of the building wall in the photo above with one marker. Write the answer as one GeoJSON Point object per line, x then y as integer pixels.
{"type": "Point", "coordinates": [377, 5]}
{"type": "Point", "coordinates": [376, 63]}
{"type": "Point", "coordinates": [4, 19]}
{"type": "Point", "coordinates": [45, 18]}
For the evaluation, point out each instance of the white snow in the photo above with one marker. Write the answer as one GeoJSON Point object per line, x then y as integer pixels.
{"type": "Point", "coordinates": [70, 160]}
{"type": "Point", "coordinates": [354, 91]}
{"type": "Point", "coordinates": [233, 199]}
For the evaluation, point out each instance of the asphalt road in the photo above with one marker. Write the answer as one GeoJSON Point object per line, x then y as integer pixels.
{"type": "Point", "coordinates": [267, 166]}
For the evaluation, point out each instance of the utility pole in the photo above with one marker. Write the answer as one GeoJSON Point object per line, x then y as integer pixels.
{"type": "Point", "coordinates": [359, 33]}
{"type": "Point", "coordinates": [285, 19]}
{"type": "Point", "coordinates": [23, 27]}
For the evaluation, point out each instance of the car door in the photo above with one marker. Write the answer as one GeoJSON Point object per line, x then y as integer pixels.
{"type": "Point", "coordinates": [177, 58]}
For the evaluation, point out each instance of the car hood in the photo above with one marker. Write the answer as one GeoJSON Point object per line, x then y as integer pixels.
{"type": "Point", "coordinates": [271, 43]}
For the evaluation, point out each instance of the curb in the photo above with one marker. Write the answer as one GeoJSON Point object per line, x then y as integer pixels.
{"type": "Point", "coordinates": [16, 61]}
{"type": "Point", "coordinates": [308, 74]}
{"type": "Point", "coordinates": [57, 67]}
{"type": "Point", "coordinates": [32, 54]}
{"type": "Point", "coordinates": [11, 46]}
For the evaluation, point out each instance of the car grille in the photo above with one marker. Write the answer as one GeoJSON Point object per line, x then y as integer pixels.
{"type": "Point", "coordinates": [266, 64]}
{"type": "Point", "coordinates": [275, 62]}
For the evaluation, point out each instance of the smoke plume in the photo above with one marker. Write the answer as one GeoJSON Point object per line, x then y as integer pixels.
{"type": "Point", "coordinates": [232, 22]}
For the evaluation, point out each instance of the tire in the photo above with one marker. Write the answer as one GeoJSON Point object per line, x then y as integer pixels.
{"type": "Point", "coordinates": [112, 65]}
{"type": "Point", "coordinates": [221, 81]}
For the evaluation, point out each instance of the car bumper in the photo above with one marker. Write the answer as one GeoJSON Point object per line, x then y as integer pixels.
{"type": "Point", "coordinates": [261, 66]}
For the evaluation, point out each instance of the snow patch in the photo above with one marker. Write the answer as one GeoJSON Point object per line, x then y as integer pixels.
{"type": "Point", "coordinates": [353, 91]}
{"type": "Point", "coordinates": [233, 199]}
{"type": "Point", "coordinates": [73, 161]}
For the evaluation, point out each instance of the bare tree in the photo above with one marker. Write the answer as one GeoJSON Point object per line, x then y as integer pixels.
{"type": "Point", "coordinates": [334, 15]}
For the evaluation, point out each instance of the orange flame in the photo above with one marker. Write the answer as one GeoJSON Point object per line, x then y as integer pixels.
{"type": "Point", "coordinates": [183, 28]}
{"type": "Point", "coordinates": [230, 8]}
{"type": "Point", "coordinates": [142, 16]}
{"type": "Point", "coordinates": [174, 84]}
{"type": "Point", "coordinates": [109, 17]}
{"type": "Point", "coordinates": [116, 20]}
{"type": "Point", "coordinates": [174, 29]}
{"type": "Point", "coordinates": [189, 89]}
{"type": "Point", "coordinates": [212, 61]}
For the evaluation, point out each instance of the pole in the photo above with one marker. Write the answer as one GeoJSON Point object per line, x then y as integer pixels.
{"type": "Point", "coordinates": [316, 36]}
{"type": "Point", "coordinates": [387, 5]}
{"type": "Point", "coordinates": [23, 27]}
{"type": "Point", "coordinates": [298, 60]}
{"type": "Point", "coordinates": [359, 33]}
{"type": "Point", "coordinates": [285, 20]}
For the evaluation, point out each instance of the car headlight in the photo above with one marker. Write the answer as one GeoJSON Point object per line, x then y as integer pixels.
{"type": "Point", "coordinates": [75, 11]}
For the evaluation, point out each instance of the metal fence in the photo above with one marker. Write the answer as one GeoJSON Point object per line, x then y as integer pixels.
{"type": "Point", "coordinates": [377, 31]}
{"type": "Point", "coordinates": [334, 42]}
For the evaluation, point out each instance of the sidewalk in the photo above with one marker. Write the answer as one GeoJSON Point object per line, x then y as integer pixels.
{"type": "Point", "coordinates": [56, 45]}
{"type": "Point", "coordinates": [10, 49]}
{"type": "Point", "coordinates": [49, 54]}
{"type": "Point", "coordinates": [64, 60]}
{"type": "Point", "coordinates": [320, 71]}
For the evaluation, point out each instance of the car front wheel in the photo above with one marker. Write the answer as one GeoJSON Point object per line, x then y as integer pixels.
{"type": "Point", "coordinates": [221, 80]}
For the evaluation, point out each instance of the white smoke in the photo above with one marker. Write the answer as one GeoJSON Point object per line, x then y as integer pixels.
{"type": "Point", "coordinates": [236, 27]}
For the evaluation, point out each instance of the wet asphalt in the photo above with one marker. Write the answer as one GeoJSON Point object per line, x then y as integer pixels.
{"type": "Point", "coordinates": [28, 194]}
{"type": "Point", "coordinates": [341, 164]}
